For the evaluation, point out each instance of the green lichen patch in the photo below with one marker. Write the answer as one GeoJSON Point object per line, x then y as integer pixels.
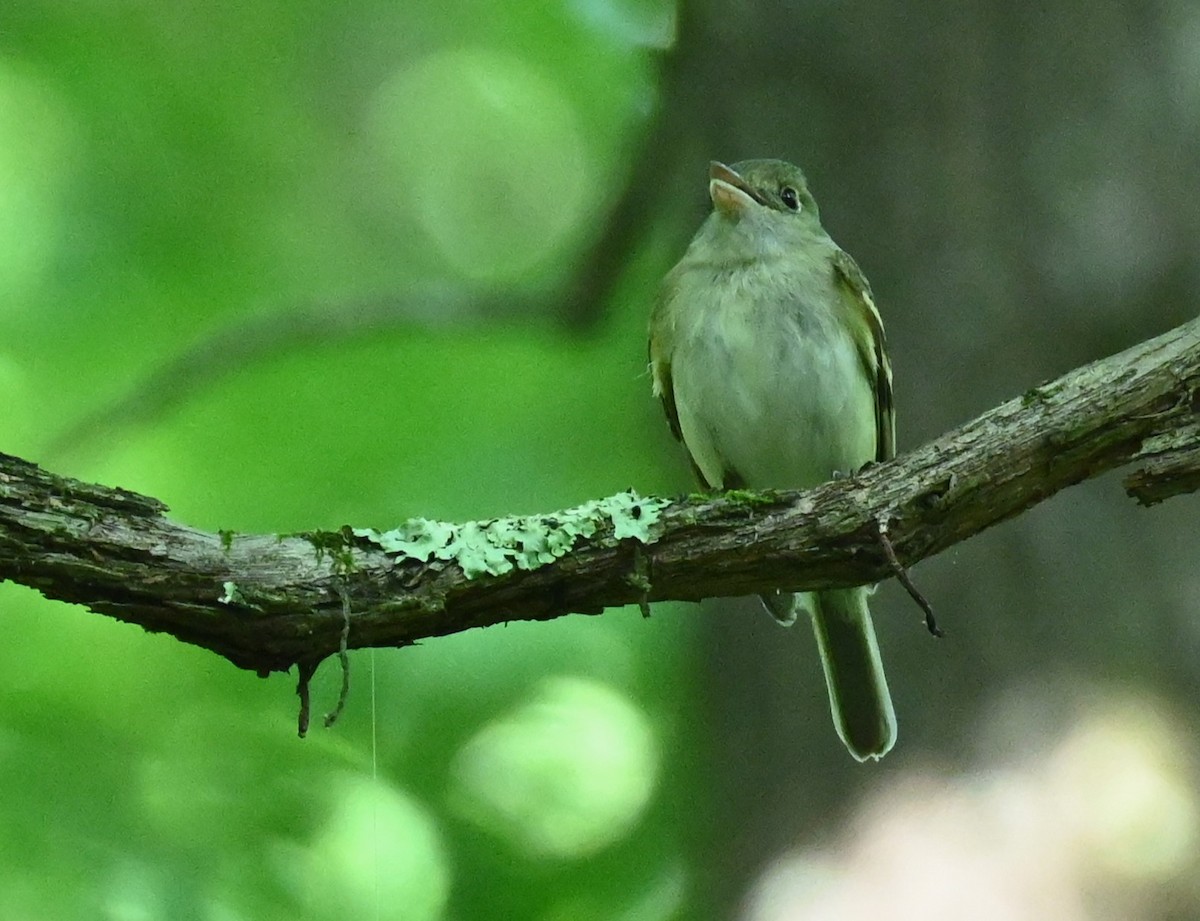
{"type": "Point", "coordinates": [420, 538]}
{"type": "Point", "coordinates": [631, 514]}
{"type": "Point", "coordinates": [231, 593]}
{"type": "Point", "coordinates": [524, 542]}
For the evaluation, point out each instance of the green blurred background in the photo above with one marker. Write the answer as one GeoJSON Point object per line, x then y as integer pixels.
{"type": "Point", "coordinates": [298, 265]}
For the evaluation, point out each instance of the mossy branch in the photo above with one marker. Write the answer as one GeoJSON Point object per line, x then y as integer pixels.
{"type": "Point", "coordinates": [267, 602]}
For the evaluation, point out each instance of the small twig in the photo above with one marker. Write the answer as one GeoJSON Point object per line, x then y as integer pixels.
{"type": "Point", "coordinates": [640, 578]}
{"type": "Point", "coordinates": [902, 577]}
{"type": "Point", "coordinates": [343, 658]}
{"type": "Point", "coordinates": [306, 671]}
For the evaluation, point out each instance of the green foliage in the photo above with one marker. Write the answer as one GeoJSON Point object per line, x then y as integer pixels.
{"type": "Point", "coordinates": [172, 173]}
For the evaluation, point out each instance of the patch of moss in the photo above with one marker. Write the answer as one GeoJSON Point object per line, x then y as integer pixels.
{"type": "Point", "coordinates": [750, 497]}
{"type": "Point", "coordinates": [336, 544]}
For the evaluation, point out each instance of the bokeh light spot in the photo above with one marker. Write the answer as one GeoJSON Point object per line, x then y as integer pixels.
{"type": "Point", "coordinates": [486, 154]}
{"type": "Point", "coordinates": [378, 855]}
{"type": "Point", "coordinates": [563, 775]}
{"type": "Point", "coordinates": [36, 156]}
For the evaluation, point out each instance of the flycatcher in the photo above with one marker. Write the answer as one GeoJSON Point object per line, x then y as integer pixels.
{"type": "Point", "coordinates": [769, 356]}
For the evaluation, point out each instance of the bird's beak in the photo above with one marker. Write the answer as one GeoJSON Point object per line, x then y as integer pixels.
{"type": "Point", "coordinates": [729, 192]}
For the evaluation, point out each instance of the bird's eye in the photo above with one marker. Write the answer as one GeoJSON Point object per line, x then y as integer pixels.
{"type": "Point", "coordinates": [790, 198]}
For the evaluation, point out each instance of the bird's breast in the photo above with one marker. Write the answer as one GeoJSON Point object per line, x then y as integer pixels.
{"type": "Point", "coordinates": [768, 382]}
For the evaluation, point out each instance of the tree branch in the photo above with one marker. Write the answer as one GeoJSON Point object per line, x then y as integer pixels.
{"type": "Point", "coordinates": [266, 602]}
{"type": "Point", "coordinates": [1172, 465]}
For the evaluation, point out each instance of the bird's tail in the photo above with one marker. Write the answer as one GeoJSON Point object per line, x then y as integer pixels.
{"type": "Point", "coordinates": [858, 691]}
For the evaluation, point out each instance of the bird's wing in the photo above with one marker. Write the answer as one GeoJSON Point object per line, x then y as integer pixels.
{"type": "Point", "coordinates": [662, 333]}
{"type": "Point", "coordinates": [872, 350]}
{"type": "Point", "coordinates": [660, 374]}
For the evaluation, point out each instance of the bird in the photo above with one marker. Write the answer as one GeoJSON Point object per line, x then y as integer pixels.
{"type": "Point", "coordinates": [768, 354]}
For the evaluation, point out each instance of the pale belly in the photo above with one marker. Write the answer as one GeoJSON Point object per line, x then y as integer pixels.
{"type": "Point", "coordinates": [781, 401]}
